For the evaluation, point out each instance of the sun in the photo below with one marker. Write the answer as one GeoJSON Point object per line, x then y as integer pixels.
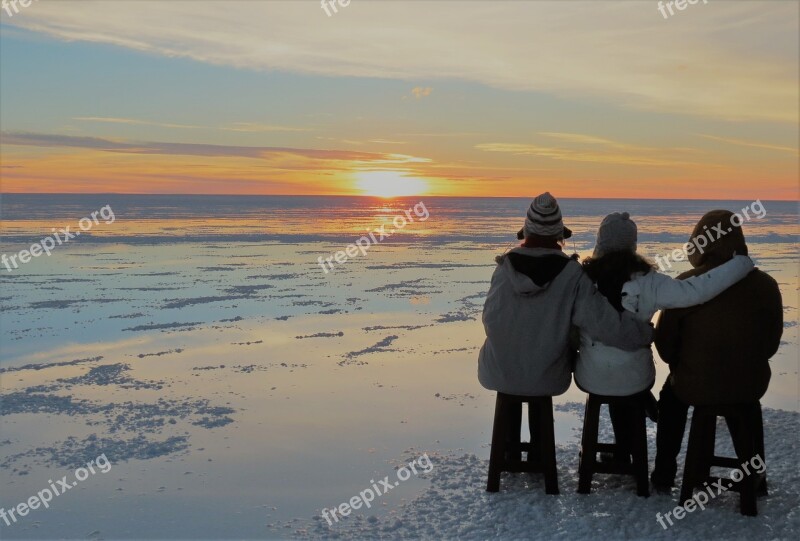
{"type": "Point", "coordinates": [389, 184]}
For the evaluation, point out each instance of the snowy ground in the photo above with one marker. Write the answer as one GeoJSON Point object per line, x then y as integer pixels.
{"type": "Point", "coordinates": [237, 389]}
{"type": "Point", "coordinates": [456, 506]}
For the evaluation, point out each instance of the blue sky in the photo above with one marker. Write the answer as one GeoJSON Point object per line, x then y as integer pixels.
{"type": "Point", "coordinates": [501, 98]}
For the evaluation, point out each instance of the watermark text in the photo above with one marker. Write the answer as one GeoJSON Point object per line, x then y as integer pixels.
{"type": "Point", "coordinates": [367, 496]}
{"type": "Point", "coordinates": [58, 238]}
{"type": "Point", "coordinates": [708, 493]}
{"type": "Point", "coordinates": [46, 495]}
{"type": "Point", "coordinates": [8, 4]}
{"type": "Point", "coordinates": [680, 5]}
{"type": "Point", "coordinates": [364, 243]}
{"type": "Point", "coordinates": [702, 240]}
{"type": "Point", "coordinates": [329, 5]}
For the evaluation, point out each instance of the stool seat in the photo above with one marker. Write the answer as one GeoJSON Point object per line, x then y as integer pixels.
{"type": "Point", "coordinates": [637, 467]}
{"type": "Point", "coordinates": [746, 427]}
{"type": "Point", "coordinates": [507, 447]}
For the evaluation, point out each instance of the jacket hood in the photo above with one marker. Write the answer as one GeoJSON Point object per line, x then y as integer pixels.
{"type": "Point", "coordinates": [531, 270]}
{"type": "Point", "coordinates": [722, 248]}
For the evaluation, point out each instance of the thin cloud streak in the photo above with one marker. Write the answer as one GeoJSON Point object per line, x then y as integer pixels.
{"type": "Point", "coordinates": [621, 54]}
{"type": "Point", "coordinates": [132, 121]}
{"type": "Point", "coordinates": [255, 127]}
{"type": "Point", "coordinates": [640, 158]}
{"type": "Point", "coordinates": [751, 144]}
{"type": "Point", "coordinates": [235, 126]}
{"type": "Point", "coordinates": [195, 149]}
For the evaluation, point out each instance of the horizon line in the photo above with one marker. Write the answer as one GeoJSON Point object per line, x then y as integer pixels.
{"type": "Point", "coordinates": [391, 198]}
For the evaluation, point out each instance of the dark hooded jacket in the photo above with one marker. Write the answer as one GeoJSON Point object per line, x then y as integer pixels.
{"type": "Point", "coordinates": [719, 351]}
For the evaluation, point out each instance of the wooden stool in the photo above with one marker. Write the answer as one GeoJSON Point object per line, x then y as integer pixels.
{"type": "Point", "coordinates": [746, 428]}
{"type": "Point", "coordinates": [506, 454]}
{"type": "Point", "coordinates": [589, 465]}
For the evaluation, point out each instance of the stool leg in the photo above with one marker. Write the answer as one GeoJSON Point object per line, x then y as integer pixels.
{"type": "Point", "coordinates": [694, 459]}
{"type": "Point", "coordinates": [709, 447]}
{"type": "Point", "coordinates": [746, 449]}
{"type": "Point", "coordinates": [759, 437]}
{"type": "Point", "coordinates": [497, 453]}
{"type": "Point", "coordinates": [547, 445]}
{"type": "Point", "coordinates": [512, 419]}
{"type": "Point", "coordinates": [535, 456]}
{"type": "Point", "coordinates": [591, 420]}
{"type": "Point", "coordinates": [639, 448]}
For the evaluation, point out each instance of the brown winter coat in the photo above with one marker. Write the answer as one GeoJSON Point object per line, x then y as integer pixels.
{"type": "Point", "coordinates": [719, 351]}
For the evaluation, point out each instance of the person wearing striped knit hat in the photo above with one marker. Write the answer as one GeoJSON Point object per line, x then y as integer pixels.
{"type": "Point", "coordinates": [537, 294]}
{"type": "Point", "coordinates": [544, 221]}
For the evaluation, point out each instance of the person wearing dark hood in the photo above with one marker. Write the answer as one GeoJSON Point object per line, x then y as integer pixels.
{"type": "Point", "coordinates": [537, 294]}
{"type": "Point", "coordinates": [630, 282]}
{"type": "Point", "coordinates": [718, 352]}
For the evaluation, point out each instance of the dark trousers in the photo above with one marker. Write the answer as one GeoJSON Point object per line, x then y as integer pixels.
{"type": "Point", "coordinates": [622, 420]}
{"type": "Point", "coordinates": [672, 414]}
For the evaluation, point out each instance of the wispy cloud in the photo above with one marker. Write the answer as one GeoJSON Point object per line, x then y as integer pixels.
{"type": "Point", "coordinates": [234, 126]}
{"type": "Point", "coordinates": [387, 142]}
{"type": "Point", "coordinates": [348, 142]}
{"type": "Point", "coordinates": [584, 139]}
{"type": "Point", "coordinates": [132, 121]}
{"type": "Point", "coordinates": [617, 53]}
{"type": "Point", "coordinates": [443, 134]}
{"type": "Point", "coordinates": [256, 127]}
{"type": "Point", "coordinates": [196, 149]}
{"type": "Point", "coordinates": [751, 144]}
{"type": "Point", "coordinates": [589, 148]}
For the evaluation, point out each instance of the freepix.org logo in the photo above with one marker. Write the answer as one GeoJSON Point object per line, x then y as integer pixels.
{"type": "Point", "coordinates": [708, 236]}
{"type": "Point", "coordinates": [708, 493]}
{"type": "Point", "coordinates": [8, 5]}
{"type": "Point", "coordinates": [363, 244]}
{"type": "Point", "coordinates": [328, 5]}
{"type": "Point", "coordinates": [680, 5]}
{"type": "Point", "coordinates": [58, 238]}
{"type": "Point", "coordinates": [367, 496]}
{"type": "Point", "coordinates": [45, 496]}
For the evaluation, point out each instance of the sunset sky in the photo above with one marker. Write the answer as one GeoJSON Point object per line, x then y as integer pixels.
{"type": "Point", "coordinates": [475, 98]}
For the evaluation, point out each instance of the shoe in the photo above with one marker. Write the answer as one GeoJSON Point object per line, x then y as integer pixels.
{"type": "Point", "coordinates": [660, 485]}
{"type": "Point", "coordinates": [613, 458]}
{"type": "Point", "coordinates": [663, 490]}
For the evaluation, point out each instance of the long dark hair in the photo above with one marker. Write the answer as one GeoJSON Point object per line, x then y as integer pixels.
{"type": "Point", "coordinates": [611, 271]}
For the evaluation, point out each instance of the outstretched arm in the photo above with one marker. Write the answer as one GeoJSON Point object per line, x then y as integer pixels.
{"type": "Point", "coordinates": [661, 292]}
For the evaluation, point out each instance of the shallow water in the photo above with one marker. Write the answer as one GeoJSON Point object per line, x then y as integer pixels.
{"type": "Point", "coordinates": [234, 385]}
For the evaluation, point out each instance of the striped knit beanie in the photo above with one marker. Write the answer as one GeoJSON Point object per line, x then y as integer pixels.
{"type": "Point", "coordinates": [544, 218]}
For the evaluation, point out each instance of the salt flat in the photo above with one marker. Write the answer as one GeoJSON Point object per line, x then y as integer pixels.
{"type": "Point", "coordinates": [237, 389]}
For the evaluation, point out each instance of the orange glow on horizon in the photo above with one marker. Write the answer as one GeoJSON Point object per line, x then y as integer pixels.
{"type": "Point", "coordinates": [37, 170]}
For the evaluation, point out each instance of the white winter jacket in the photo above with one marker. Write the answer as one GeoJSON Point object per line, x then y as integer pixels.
{"type": "Point", "coordinates": [606, 370]}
